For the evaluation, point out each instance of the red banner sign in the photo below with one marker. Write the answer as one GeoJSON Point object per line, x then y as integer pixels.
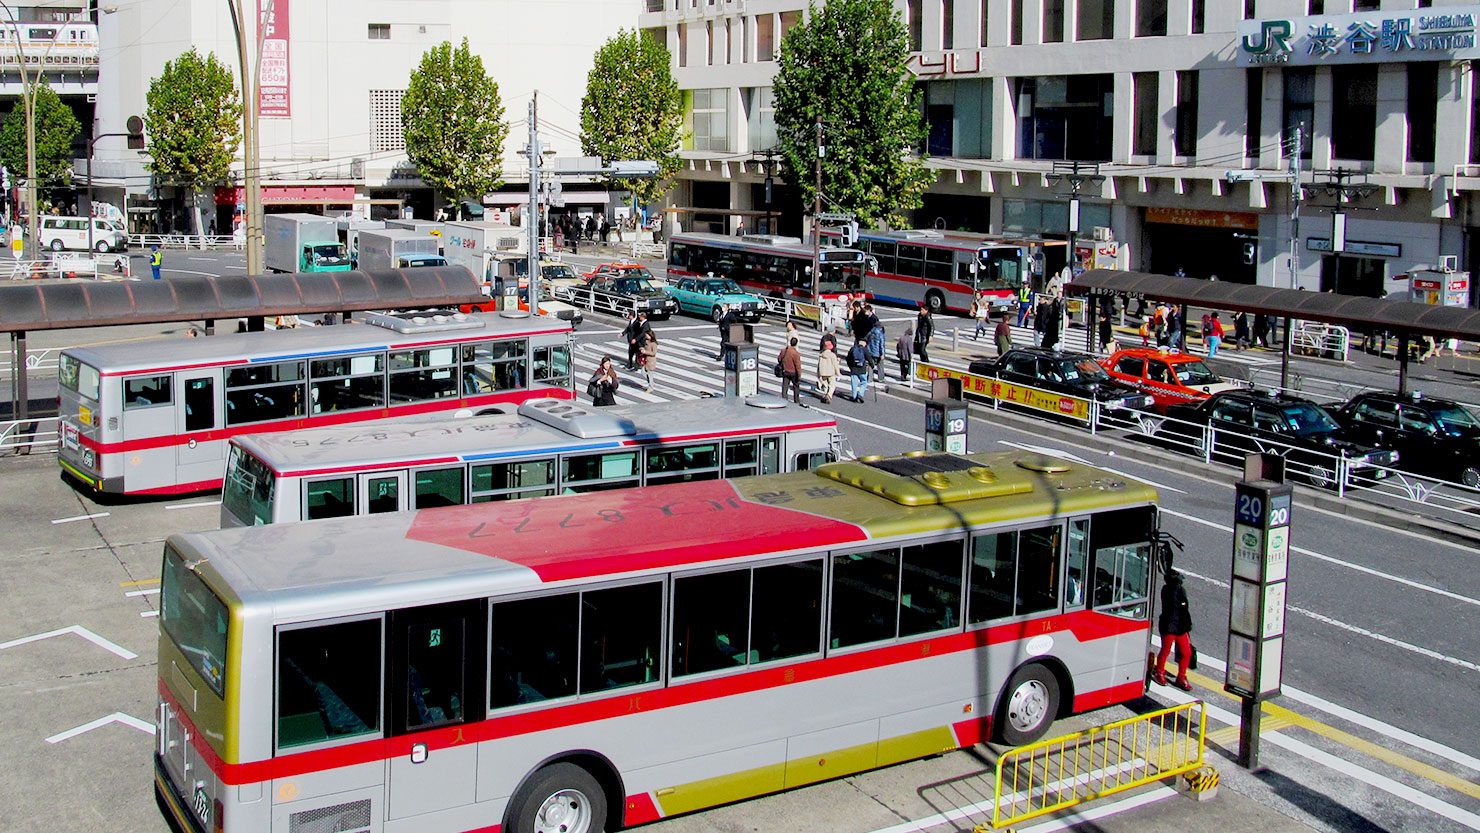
{"type": "Point", "coordinates": [274, 95]}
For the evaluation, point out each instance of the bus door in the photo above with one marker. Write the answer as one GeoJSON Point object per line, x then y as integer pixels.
{"type": "Point", "coordinates": [382, 492]}
{"type": "Point", "coordinates": [148, 413]}
{"type": "Point", "coordinates": [198, 457]}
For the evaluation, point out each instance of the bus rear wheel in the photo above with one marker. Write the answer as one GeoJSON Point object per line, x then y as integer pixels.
{"type": "Point", "coordinates": [935, 301]}
{"type": "Point", "coordinates": [561, 798]}
{"type": "Point", "coordinates": [1029, 705]}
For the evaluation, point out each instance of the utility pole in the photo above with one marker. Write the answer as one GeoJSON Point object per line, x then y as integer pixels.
{"type": "Point", "coordinates": [532, 219]}
{"type": "Point", "coordinates": [1346, 186]}
{"type": "Point", "coordinates": [1076, 175]}
{"type": "Point", "coordinates": [816, 219]}
{"type": "Point", "coordinates": [251, 157]}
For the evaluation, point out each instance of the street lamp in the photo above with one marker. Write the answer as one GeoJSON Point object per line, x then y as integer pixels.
{"type": "Point", "coordinates": [251, 157]}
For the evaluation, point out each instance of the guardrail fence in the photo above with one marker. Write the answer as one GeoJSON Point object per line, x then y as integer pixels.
{"type": "Point", "coordinates": [26, 435]}
{"type": "Point", "coordinates": [187, 241]}
{"type": "Point", "coordinates": [1061, 772]}
{"type": "Point", "coordinates": [1325, 341]}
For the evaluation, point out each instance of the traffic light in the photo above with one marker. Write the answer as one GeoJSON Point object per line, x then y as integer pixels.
{"type": "Point", "coordinates": [849, 234]}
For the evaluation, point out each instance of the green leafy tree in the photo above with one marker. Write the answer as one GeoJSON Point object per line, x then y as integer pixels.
{"type": "Point", "coordinates": [56, 129]}
{"type": "Point", "coordinates": [193, 119]}
{"type": "Point", "coordinates": [454, 124]}
{"type": "Point", "coordinates": [847, 64]}
{"type": "Point", "coordinates": [633, 109]}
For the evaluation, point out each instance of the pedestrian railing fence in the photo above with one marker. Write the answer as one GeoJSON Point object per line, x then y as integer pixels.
{"type": "Point", "coordinates": [1326, 341]}
{"type": "Point", "coordinates": [26, 435]}
{"type": "Point", "coordinates": [187, 241]}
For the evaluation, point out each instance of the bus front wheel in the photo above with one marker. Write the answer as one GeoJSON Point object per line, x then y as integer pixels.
{"type": "Point", "coordinates": [1029, 705]}
{"type": "Point", "coordinates": [935, 301]}
{"type": "Point", "coordinates": [561, 798]}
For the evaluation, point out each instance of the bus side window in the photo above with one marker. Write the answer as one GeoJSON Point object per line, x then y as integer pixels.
{"type": "Point", "coordinates": [993, 576]}
{"type": "Point", "coordinates": [865, 597]}
{"type": "Point", "coordinates": [333, 498]}
{"type": "Point", "coordinates": [436, 655]}
{"type": "Point", "coordinates": [438, 487]}
{"type": "Point", "coordinates": [710, 617]}
{"type": "Point", "coordinates": [530, 665]}
{"type": "Point", "coordinates": [786, 611]}
{"type": "Point", "coordinates": [1078, 558]}
{"type": "Point", "coordinates": [930, 587]}
{"type": "Point", "coordinates": [1121, 544]}
{"type": "Point", "coordinates": [621, 636]}
{"type": "Point", "coordinates": [328, 682]}
{"type": "Point", "coordinates": [810, 460]}
{"type": "Point", "coordinates": [741, 457]}
{"type": "Point", "coordinates": [146, 391]}
{"type": "Point", "coordinates": [770, 455]}
{"type": "Point", "coordinates": [1038, 570]}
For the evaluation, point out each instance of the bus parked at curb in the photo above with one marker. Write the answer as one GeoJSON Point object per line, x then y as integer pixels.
{"type": "Point", "coordinates": [584, 662]}
{"type": "Point", "coordinates": [549, 447]}
{"type": "Point", "coordinates": [154, 417]}
{"type": "Point", "coordinates": [943, 269]}
{"type": "Point", "coordinates": [767, 264]}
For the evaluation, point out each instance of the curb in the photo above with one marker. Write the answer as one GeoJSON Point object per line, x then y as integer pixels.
{"type": "Point", "coordinates": [1383, 515]}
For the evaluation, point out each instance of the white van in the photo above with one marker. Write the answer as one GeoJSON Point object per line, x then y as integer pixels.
{"type": "Point", "coordinates": [60, 233]}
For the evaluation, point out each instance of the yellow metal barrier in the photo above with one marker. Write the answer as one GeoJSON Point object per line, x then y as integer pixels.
{"type": "Point", "coordinates": [1061, 772]}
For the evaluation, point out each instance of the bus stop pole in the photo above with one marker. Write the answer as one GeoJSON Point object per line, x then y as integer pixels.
{"type": "Point", "coordinates": [22, 409]}
{"type": "Point", "coordinates": [1403, 363]}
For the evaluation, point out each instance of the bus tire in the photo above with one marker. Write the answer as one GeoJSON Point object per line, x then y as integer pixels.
{"type": "Point", "coordinates": [1030, 702]}
{"type": "Point", "coordinates": [935, 302]}
{"type": "Point", "coordinates": [561, 798]}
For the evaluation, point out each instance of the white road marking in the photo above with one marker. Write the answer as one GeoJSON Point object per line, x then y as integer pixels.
{"type": "Point", "coordinates": [148, 614]}
{"type": "Point", "coordinates": [81, 518]}
{"type": "Point", "coordinates": [1360, 631]}
{"type": "Point", "coordinates": [76, 630]}
{"type": "Point", "coordinates": [1077, 818]}
{"type": "Point", "coordinates": [150, 592]}
{"type": "Point", "coordinates": [1406, 582]}
{"type": "Point", "coordinates": [193, 505]}
{"type": "Point", "coordinates": [116, 717]}
{"type": "Point", "coordinates": [204, 259]}
{"type": "Point", "coordinates": [1162, 486]}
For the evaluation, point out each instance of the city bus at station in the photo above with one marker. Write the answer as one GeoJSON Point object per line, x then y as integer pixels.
{"type": "Point", "coordinates": [943, 269]}
{"type": "Point", "coordinates": [549, 447]}
{"type": "Point", "coordinates": [767, 264]}
{"type": "Point", "coordinates": [154, 417]}
{"type": "Point", "coordinates": [584, 662]}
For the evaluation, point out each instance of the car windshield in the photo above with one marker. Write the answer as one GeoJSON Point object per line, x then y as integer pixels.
{"type": "Point", "coordinates": [1082, 370]}
{"type": "Point", "coordinates": [722, 288]}
{"type": "Point", "coordinates": [1453, 419]}
{"type": "Point", "coordinates": [1196, 373]}
{"type": "Point", "coordinates": [1305, 419]}
{"type": "Point", "coordinates": [558, 273]}
{"type": "Point", "coordinates": [638, 272]}
{"type": "Point", "coordinates": [631, 284]}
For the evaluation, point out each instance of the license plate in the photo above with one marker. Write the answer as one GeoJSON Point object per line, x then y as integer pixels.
{"type": "Point", "coordinates": [70, 436]}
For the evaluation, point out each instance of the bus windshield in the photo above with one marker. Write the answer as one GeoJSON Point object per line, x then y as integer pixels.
{"type": "Point", "coordinates": [840, 277]}
{"type": "Point", "coordinates": [195, 620]}
{"type": "Point", "coordinates": [999, 268]}
{"type": "Point", "coordinates": [77, 377]}
{"type": "Point", "coordinates": [247, 493]}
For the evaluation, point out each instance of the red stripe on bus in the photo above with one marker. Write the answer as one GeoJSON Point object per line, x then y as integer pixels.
{"type": "Point", "coordinates": [1085, 625]}
{"type": "Point", "coordinates": [171, 368]}
{"type": "Point", "coordinates": [366, 467]}
{"type": "Point", "coordinates": [973, 731]}
{"type": "Point", "coordinates": [468, 340]}
{"type": "Point", "coordinates": [337, 418]}
{"type": "Point", "coordinates": [180, 488]}
{"type": "Point", "coordinates": [640, 809]}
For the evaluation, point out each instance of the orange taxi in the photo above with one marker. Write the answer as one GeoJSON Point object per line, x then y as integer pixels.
{"type": "Point", "coordinates": [1170, 378]}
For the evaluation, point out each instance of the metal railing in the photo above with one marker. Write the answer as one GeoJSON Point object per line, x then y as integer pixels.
{"type": "Point", "coordinates": [1326, 341]}
{"type": "Point", "coordinates": [70, 266]}
{"type": "Point", "coordinates": [793, 310]}
{"type": "Point", "coordinates": [26, 435]}
{"type": "Point", "coordinates": [1065, 771]}
{"type": "Point", "coordinates": [187, 241]}
{"type": "Point", "coordinates": [648, 249]}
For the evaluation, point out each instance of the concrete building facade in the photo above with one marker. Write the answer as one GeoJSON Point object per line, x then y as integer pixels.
{"type": "Point", "coordinates": [1161, 98]}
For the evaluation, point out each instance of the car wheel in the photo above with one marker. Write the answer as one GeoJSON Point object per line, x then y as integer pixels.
{"type": "Point", "coordinates": [561, 797]}
{"type": "Point", "coordinates": [103, 248]}
{"type": "Point", "coordinates": [716, 314]}
{"type": "Point", "coordinates": [935, 301]}
{"type": "Point", "coordinates": [56, 245]}
{"type": "Point", "coordinates": [1470, 476]}
{"type": "Point", "coordinates": [1321, 476]}
{"type": "Point", "coordinates": [1029, 705]}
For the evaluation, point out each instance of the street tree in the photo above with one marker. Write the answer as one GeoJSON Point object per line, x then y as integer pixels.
{"type": "Point", "coordinates": [453, 120]}
{"type": "Point", "coordinates": [847, 64]}
{"type": "Point", "coordinates": [633, 109]}
{"type": "Point", "coordinates": [193, 117]}
{"type": "Point", "coordinates": [56, 129]}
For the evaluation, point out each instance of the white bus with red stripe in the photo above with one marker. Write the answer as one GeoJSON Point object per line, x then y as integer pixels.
{"type": "Point", "coordinates": [155, 417]}
{"type": "Point", "coordinates": [549, 447]}
{"type": "Point", "coordinates": [767, 264]}
{"type": "Point", "coordinates": [943, 269]}
{"type": "Point", "coordinates": [584, 662]}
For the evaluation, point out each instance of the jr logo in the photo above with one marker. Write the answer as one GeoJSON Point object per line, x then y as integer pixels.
{"type": "Point", "coordinates": [1273, 40]}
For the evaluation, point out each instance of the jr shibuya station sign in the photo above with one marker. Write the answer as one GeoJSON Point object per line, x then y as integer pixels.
{"type": "Point", "coordinates": [1433, 34]}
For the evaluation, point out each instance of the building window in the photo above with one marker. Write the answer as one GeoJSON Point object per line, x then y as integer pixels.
{"type": "Point", "coordinates": [959, 118]}
{"type": "Point", "coordinates": [760, 117]}
{"type": "Point", "coordinates": [709, 119]}
{"type": "Point", "coordinates": [1053, 21]}
{"type": "Point", "coordinates": [1184, 140]}
{"type": "Point", "coordinates": [1423, 104]}
{"type": "Point", "coordinates": [914, 10]}
{"type": "Point", "coordinates": [683, 44]}
{"type": "Point", "coordinates": [385, 120]}
{"type": "Point", "coordinates": [947, 24]}
{"type": "Point", "coordinates": [1146, 94]}
{"type": "Point", "coordinates": [1016, 11]}
{"type": "Point", "coordinates": [1151, 18]}
{"type": "Point", "coordinates": [1199, 16]}
{"type": "Point", "coordinates": [1354, 108]}
{"type": "Point", "coordinates": [1253, 111]}
{"type": "Point", "coordinates": [1299, 104]}
{"type": "Point", "coordinates": [380, 31]}
{"type": "Point", "coordinates": [983, 32]}
{"type": "Point", "coordinates": [765, 37]}
{"type": "Point", "coordinates": [1096, 20]}
{"type": "Point", "coordinates": [1065, 117]}
{"type": "Point", "coordinates": [788, 20]}
{"type": "Point", "coordinates": [1366, 5]}
{"type": "Point", "coordinates": [1249, 10]}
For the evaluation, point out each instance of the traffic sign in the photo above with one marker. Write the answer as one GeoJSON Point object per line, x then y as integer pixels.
{"type": "Point", "coordinates": [835, 217]}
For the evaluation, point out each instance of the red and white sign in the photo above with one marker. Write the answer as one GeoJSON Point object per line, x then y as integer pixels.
{"type": "Point", "coordinates": [274, 95]}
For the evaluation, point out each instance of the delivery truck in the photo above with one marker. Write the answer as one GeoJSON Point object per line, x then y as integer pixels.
{"type": "Point", "coordinates": [392, 248]}
{"type": "Point", "coordinates": [478, 246]}
{"type": "Point", "coordinates": [349, 234]}
{"type": "Point", "coordinates": [303, 243]}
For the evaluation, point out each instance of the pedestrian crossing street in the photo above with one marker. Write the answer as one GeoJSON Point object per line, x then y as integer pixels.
{"type": "Point", "coordinates": [687, 368]}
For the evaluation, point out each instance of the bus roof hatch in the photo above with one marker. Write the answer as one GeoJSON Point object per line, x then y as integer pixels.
{"type": "Point", "coordinates": [576, 419]}
{"type": "Point", "coordinates": [920, 478]}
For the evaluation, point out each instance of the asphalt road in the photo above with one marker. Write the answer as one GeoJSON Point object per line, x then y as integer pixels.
{"type": "Point", "coordinates": [1380, 667]}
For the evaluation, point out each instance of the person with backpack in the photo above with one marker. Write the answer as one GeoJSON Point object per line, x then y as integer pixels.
{"type": "Point", "coordinates": [874, 345]}
{"type": "Point", "coordinates": [858, 369]}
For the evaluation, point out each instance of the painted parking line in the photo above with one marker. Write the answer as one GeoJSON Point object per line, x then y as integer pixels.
{"type": "Point", "coordinates": [148, 614]}
{"type": "Point", "coordinates": [81, 518]}
{"type": "Point", "coordinates": [152, 592]}
{"type": "Point", "coordinates": [76, 630]}
{"type": "Point", "coordinates": [139, 582]}
{"type": "Point", "coordinates": [116, 717]}
{"type": "Point", "coordinates": [193, 505]}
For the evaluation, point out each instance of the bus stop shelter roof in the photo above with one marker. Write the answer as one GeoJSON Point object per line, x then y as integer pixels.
{"type": "Point", "coordinates": [89, 303]}
{"type": "Point", "coordinates": [1359, 313]}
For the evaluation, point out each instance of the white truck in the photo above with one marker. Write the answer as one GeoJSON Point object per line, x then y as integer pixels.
{"type": "Point", "coordinates": [303, 243]}
{"type": "Point", "coordinates": [393, 248]}
{"type": "Point", "coordinates": [478, 246]}
{"type": "Point", "coordinates": [349, 234]}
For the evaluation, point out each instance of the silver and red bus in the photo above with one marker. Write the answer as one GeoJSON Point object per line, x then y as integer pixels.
{"type": "Point", "coordinates": [548, 447]}
{"type": "Point", "coordinates": [767, 264]}
{"type": "Point", "coordinates": [584, 662]}
{"type": "Point", "coordinates": [154, 417]}
{"type": "Point", "coordinates": [943, 269]}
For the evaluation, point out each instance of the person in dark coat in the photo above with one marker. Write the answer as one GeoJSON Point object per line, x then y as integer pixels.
{"type": "Point", "coordinates": [858, 366]}
{"type": "Point", "coordinates": [632, 334]}
{"type": "Point", "coordinates": [727, 319]}
{"type": "Point", "coordinates": [1041, 314]}
{"type": "Point", "coordinates": [790, 360]}
{"type": "Point", "coordinates": [604, 383]}
{"type": "Point", "coordinates": [902, 350]}
{"type": "Point", "coordinates": [924, 330]}
{"type": "Point", "coordinates": [1003, 334]}
{"type": "Point", "coordinates": [1107, 331]}
{"type": "Point", "coordinates": [1051, 326]}
{"type": "Point", "coordinates": [1175, 627]}
{"type": "Point", "coordinates": [875, 342]}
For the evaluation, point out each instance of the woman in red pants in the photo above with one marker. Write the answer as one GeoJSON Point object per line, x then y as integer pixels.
{"type": "Point", "coordinates": [1175, 626]}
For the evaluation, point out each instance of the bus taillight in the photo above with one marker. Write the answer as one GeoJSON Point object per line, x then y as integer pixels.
{"type": "Point", "coordinates": [218, 816]}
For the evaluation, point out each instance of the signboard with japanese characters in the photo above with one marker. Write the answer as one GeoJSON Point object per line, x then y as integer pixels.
{"type": "Point", "coordinates": [1432, 34]}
